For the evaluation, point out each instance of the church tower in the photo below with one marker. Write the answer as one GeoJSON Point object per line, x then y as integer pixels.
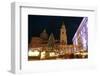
{"type": "Point", "coordinates": [63, 36]}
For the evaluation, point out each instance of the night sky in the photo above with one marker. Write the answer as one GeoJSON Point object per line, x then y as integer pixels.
{"type": "Point", "coordinates": [52, 24]}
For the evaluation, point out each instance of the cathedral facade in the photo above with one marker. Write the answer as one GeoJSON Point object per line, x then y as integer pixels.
{"type": "Point", "coordinates": [49, 43]}
{"type": "Point", "coordinates": [46, 40]}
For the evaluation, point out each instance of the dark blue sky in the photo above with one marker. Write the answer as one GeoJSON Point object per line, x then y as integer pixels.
{"type": "Point", "coordinates": [52, 24]}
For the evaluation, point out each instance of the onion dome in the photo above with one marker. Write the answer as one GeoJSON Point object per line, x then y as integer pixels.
{"type": "Point", "coordinates": [44, 35]}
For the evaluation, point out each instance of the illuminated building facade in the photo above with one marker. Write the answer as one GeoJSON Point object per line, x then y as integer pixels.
{"type": "Point", "coordinates": [80, 38]}
{"type": "Point", "coordinates": [47, 47]}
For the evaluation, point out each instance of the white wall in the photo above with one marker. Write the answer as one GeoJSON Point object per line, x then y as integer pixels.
{"type": "Point", "coordinates": [5, 35]}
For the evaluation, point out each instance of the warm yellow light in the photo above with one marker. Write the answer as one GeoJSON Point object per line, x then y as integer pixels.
{"type": "Point", "coordinates": [52, 54]}
{"type": "Point", "coordinates": [77, 53]}
{"type": "Point", "coordinates": [85, 53]}
{"type": "Point", "coordinates": [33, 53]}
{"type": "Point", "coordinates": [43, 55]}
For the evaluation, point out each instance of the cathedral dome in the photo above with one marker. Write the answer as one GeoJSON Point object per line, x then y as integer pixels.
{"type": "Point", "coordinates": [44, 35]}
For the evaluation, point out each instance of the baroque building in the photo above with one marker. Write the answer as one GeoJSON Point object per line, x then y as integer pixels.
{"type": "Point", "coordinates": [80, 39]}
{"type": "Point", "coordinates": [46, 47]}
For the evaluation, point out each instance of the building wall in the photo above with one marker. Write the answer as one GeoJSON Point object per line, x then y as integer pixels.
{"type": "Point", "coordinates": [81, 36]}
